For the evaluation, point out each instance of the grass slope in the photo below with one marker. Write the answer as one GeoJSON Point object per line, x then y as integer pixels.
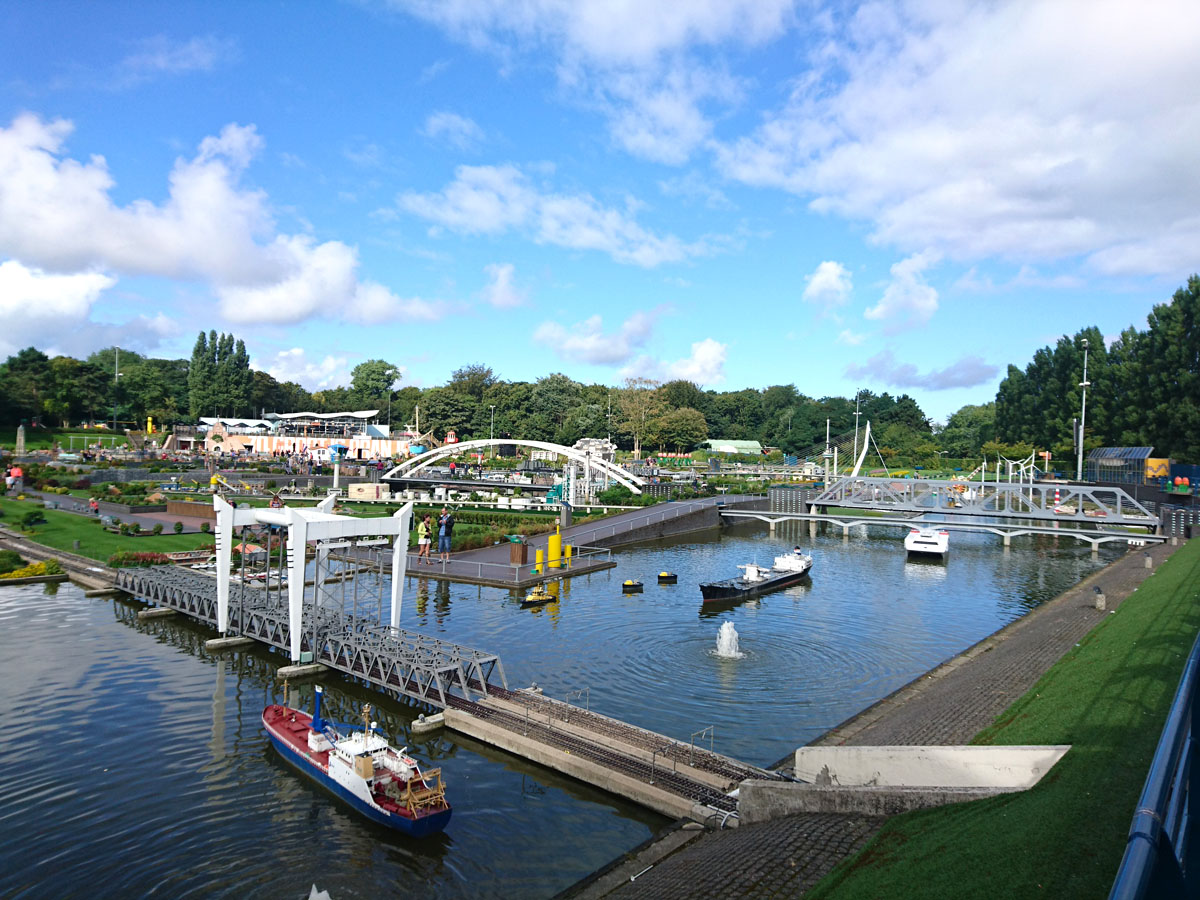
{"type": "Point", "coordinates": [1108, 698]}
{"type": "Point", "coordinates": [63, 529]}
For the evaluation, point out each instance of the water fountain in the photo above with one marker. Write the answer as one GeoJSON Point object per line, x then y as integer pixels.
{"type": "Point", "coordinates": [727, 642]}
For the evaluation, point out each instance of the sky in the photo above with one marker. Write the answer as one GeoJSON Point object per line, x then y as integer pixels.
{"type": "Point", "coordinates": [893, 196]}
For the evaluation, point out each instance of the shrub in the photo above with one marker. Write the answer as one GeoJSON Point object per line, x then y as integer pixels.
{"type": "Point", "coordinates": [271, 485]}
{"type": "Point", "coordinates": [123, 528]}
{"type": "Point", "coordinates": [157, 529]}
{"type": "Point", "coordinates": [36, 570]}
{"type": "Point", "coordinates": [125, 559]}
{"type": "Point", "coordinates": [205, 527]}
{"type": "Point", "coordinates": [135, 527]}
{"type": "Point", "coordinates": [10, 561]}
{"type": "Point", "coordinates": [32, 518]}
{"type": "Point", "coordinates": [178, 527]}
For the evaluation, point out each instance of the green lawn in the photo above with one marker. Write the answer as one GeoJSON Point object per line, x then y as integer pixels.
{"type": "Point", "coordinates": [44, 438]}
{"type": "Point", "coordinates": [63, 529]}
{"type": "Point", "coordinates": [1108, 698]}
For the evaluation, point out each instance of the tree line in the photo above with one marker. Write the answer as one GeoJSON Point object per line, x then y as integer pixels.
{"type": "Point", "coordinates": [1143, 391]}
{"type": "Point", "coordinates": [217, 380]}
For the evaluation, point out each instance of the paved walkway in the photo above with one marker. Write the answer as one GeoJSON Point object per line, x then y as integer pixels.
{"type": "Point", "coordinates": [948, 705]}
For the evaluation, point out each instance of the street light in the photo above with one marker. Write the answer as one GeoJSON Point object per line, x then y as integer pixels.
{"type": "Point", "coordinates": [857, 397]}
{"type": "Point", "coordinates": [392, 388]}
{"type": "Point", "coordinates": [492, 432]}
{"type": "Point", "coordinates": [1082, 413]}
{"type": "Point", "coordinates": [116, 375]}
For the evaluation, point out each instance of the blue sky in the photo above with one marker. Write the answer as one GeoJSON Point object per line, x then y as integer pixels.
{"type": "Point", "coordinates": [897, 196]}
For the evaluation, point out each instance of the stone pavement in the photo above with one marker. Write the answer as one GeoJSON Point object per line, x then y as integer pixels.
{"type": "Point", "coordinates": [948, 705]}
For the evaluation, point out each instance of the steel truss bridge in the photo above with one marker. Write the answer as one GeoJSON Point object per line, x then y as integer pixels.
{"type": "Point", "coordinates": [400, 662]}
{"type": "Point", "coordinates": [1078, 504]}
{"type": "Point", "coordinates": [1093, 514]}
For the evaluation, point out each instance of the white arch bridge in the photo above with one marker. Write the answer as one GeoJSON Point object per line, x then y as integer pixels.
{"type": "Point", "coordinates": [589, 461]}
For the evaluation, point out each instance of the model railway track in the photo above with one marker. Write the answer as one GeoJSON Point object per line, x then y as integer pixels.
{"type": "Point", "coordinates": [88, 571]}
{"type": "Point", "coordinates": [675, 751]}
{"type": "Point", "coordinates": [663, 777]}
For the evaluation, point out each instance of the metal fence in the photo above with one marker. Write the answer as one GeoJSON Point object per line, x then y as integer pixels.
{"type": "Point", "coordinates": [507, 571]}
{"type": "Point", "coordinates": [1160, 858]}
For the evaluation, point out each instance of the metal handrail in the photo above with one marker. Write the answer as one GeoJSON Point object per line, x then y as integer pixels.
{"type": "Point", "coordinates": [1160, 859]}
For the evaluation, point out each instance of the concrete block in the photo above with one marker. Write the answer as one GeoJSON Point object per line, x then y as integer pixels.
{"type": "Point", "coordinates": [1015, 768]}
{"type": "Point", "coordinates": [425, 724]}
{"type": "Point", "coordinates": [301, 671]}
{"type": "Point", "coordinates": [228, 643]}
{"type": "Point", "coordinates": [762, 801]}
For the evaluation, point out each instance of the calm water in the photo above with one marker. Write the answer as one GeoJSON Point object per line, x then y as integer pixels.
{"type": "Point", "coordinates": [135, 762]}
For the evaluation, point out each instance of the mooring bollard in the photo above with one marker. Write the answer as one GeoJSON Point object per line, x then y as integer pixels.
{"type": "Point", "coordinates": [1101, 600]}
{"type": "Point", "coordinates": [1149, 561]}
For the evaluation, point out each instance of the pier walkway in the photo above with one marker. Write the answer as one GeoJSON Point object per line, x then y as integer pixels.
{"type": "Point", "coordinates": [673, 778]}
{"type": "Point", "coordinates": [592, 543]}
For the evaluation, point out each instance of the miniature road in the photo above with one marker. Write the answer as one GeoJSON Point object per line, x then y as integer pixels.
{"type": "Point", "coordinates": [948, 705]}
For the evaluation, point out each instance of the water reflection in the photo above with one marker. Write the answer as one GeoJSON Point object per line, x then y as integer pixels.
{"type": "Point", "coordinates": [178, 768]}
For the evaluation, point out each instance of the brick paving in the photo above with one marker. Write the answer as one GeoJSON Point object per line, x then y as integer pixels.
{"type": "Point", "coordinates": [781, 859]}
{"type": "Point", "coordinates": [948, 705]}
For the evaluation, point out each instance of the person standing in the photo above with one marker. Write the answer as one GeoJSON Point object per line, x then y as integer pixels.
{"type": "Point", "coordinates": [445, 532]}
{"type": "Point", "coordinates": [423, 528]}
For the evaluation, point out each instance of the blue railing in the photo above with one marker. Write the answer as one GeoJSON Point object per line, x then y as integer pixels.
{"type": "Point", "coordinates": [1160, 859]}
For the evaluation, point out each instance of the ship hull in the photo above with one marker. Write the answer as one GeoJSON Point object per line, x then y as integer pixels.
{"type": "Point", "coordinates": [739, 588]}
{"type": "Point", "coordinates": [421, 826]}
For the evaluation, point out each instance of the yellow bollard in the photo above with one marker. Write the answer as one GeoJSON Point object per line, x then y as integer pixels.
{"type": "Point", "coordinates": [568, 550]}
{"type": "Point", "coordinates": [539, 557]}
{"type": "Point", "coordinates": [554, 550]}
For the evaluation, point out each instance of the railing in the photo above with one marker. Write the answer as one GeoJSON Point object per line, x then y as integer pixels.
{"type": "Point", "coordinates": [1160, 858]}
{"type": "Point", "coordinates": [497, 571]}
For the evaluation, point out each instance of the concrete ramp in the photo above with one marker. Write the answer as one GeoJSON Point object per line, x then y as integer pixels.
{"type": "Point", "coordinates": [885, 781]}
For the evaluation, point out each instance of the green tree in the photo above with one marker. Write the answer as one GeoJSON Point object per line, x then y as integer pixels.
{"type": "Point", "coordinates": [967, 430]}
{"type": "Point", "coordinates": [202, 376]}
{"type": "Point", "coordinates": [472, 380]}
{"type": "Point", "coordinates": [681, 429]}
{"type": "Point", "coordinates": [371, 384]}
{"type": "Point", "coordinates": [26, 381]}
{"type": "Point", "coordinates": [638, 404]}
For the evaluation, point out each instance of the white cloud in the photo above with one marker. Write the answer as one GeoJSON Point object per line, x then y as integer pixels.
{"type": "Point", "coordinates": [39, 309]}
{"type": "Point", "coordinates": [294, 365]}
{"type": "Point", "coordinates": [1024, 130]}
{"type": "Point", "coordinates": [850, 338]}
{"type": "Point", "coordinates": [586, 341]}
{"type": "Point", "coordinates": [632, 60]}
{"type": "Point", "coordinates": [159, 55]}
{"type": "Point", "coordinates": [456, 130]}
{"type": "Point", "coordinates": [496, 199]}
{"type": "Point", "coordinates": [57, 215]}
{"type": "Point", "coordinates": [500, 291]}
{"type": "Point", "coordinates": [908, 301]}
{"type": "Point", "coordinates": [968, 371]}
{"type": "Point", "coordinates": [695, 186]}
{"type": "Point", "coordinates": [828, 287]}
{"type": "Point", "coordinates": [705, 365]}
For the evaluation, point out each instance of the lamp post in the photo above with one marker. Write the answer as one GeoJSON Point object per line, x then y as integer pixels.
{"type": "Point", "coordinates": [116, 375]}
{"type": "Point", "coordinates": [1082, 413]}
{"type": "Point", "coordinates": [392, 388]}
{"type": "Point", "coordinates": [857, 397]}
{"type": "Point", "coordinates": [492, 431]}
